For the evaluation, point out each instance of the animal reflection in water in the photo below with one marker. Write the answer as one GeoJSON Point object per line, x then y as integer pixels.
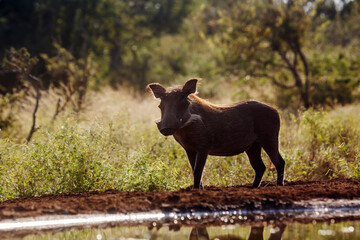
{"type": "Point", "coordinates": [256, 233]}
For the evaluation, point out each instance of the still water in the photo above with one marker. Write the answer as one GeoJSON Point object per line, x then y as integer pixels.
{"type": "Point", "coordinates": [327, 219]}
{"type": "Point", "coordinates": [330, 230]}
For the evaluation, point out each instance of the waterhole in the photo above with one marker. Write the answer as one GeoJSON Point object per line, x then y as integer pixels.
{"type": "Point", "coordinates": [322, 219]}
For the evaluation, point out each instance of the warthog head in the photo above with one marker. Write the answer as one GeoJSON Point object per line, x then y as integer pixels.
{"type": "Point", "coordinates": [174, 106]}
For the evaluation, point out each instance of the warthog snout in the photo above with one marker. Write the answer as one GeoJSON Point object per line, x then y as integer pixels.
{"type": "Point", "coordinates": [165, 130]}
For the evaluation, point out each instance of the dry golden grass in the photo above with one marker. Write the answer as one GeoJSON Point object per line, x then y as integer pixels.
{"type": "Point", "coordinates": [114, 143]}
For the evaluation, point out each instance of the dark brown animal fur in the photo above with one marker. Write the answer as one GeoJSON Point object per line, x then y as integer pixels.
{"type": "Point", "coordinates": [203, 129]}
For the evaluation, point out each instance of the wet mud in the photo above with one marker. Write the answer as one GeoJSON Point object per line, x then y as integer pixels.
{"type": "Point", "coordinates": [320, 200]}
{"type": "Point", "coordinates": [209, 199]}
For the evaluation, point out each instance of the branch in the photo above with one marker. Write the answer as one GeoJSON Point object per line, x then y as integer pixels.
{"type": "Point", "coordinates": [273, 80]}
{"type": "Point", "coordinates": [34, 78]}
{"type": "Point", "coordinates": [33, 128]}
{"type": "Point", "coordinates": [295, 59]}
{"type": "Point", "coordinates": [268, 62]}
{"type": "Point", "coordinates": [304, 61]}
{"type": "Point", "coordinates": [292, 68]}
{"type": "Point", "coordinates": [35, 81]}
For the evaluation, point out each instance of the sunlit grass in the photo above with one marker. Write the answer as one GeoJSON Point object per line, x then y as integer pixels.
{"type": "Point", "coordinates": [115, 144]}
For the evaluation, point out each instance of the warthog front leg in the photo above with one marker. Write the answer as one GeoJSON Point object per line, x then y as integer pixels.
{"type": "Point", "coordinates": [192, 160]}
{"type": "Point", "coordinates": [199, 167]}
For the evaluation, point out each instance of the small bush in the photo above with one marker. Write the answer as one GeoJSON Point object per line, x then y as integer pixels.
{"type": "Point", "coordinates": [63, 161]}
{"type": "Point", "coordinates": [322, 144]}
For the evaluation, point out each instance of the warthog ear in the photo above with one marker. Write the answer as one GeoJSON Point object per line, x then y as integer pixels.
{"type": "Point", "coordinates": [190, 86]}
{"type": "Point", "coordinates": [156, 89]}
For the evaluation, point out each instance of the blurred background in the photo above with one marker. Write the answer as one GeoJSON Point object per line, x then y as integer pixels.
{"type": "Point", "coordinates": [294, 53]}
{"type": "Point", "coordinates": [75, 72]}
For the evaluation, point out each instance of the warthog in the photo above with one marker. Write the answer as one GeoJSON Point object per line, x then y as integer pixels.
{"type": "Point", "coordinates": [203, 129]}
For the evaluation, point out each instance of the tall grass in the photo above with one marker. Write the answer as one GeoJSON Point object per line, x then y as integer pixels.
{"type": "Point", "coordinates": [115, 144]}
{"type": "Point", "coordinates": [323, 144]}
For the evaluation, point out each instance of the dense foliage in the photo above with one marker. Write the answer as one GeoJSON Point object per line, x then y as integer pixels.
{"type": "Point", "coordinates": [281, 43]}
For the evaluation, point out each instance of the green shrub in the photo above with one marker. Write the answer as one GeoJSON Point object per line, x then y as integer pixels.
{"type": "Point", "coordinates": [126, 152]}
{"type": "Point", "coordinates": [63, 161]}
{"type": "Point", "coordinates": [322, 144]}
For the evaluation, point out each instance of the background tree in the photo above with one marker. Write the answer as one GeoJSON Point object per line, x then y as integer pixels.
{"type": "Point", "coordinates": [267, 40]}
{"type": "Point", "coordinates": [20, 62]}
{"type": "Point", "coordinates": [136, 42]}
{"type": "Point", "coordinates": [71, 78]}
{"type": "Point", "coordinates": [118, 33]}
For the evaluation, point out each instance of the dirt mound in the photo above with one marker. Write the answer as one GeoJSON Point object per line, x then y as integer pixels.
{"type": "Point", "coordinates": [210, 198]}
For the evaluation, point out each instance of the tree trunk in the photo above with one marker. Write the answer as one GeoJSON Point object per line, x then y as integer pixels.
{"type": "Point", "coordinates": [38, 95]}
{"type": "Point", "coordinates": [305, 96]}
{"type": "Point", "coordinates": [116, 60]}
{"type": "Point", "coordinates": [302, 87]}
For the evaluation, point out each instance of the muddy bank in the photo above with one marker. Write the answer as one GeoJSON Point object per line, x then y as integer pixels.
{"type": "Point", "coordinates": [209, 199]}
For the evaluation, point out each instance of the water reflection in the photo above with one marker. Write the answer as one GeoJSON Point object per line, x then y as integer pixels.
{"type": "Point", "coordinates": [256, 233]}
{"type": "Point", "coordinates": [321, 231]}
{"type": "Point", "coordinates": [305, 211]}
{"type": "Point", "coordinates": [199, 233]}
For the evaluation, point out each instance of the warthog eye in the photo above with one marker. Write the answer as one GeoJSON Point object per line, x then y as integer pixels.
{"type": "Point", "coordinates": [182, 106]}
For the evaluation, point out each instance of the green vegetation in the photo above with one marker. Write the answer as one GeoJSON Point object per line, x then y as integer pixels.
{"type": "Point", "coordinates": [74, 115]}
{"type": "Point", "coordinates": [121, 148]}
